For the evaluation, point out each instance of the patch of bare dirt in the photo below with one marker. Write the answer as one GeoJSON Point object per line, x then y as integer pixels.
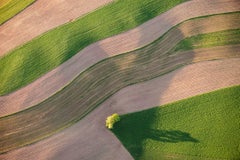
{"type": "Point", "coordinates": [93, 87]}
{"type": "Point", "coordinates": [53, 81]}
{"type": "Point", "coordinates": [89, 139]}
{"type": "Point", "coordinates": [40, 17]}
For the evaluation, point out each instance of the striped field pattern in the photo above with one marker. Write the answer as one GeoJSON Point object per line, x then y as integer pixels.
{"type": "Point", "coordinates": [59, 82]}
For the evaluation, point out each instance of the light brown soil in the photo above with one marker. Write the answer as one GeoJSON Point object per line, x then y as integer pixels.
{"type": "Point", "coordinates": [53, 81]}
{"type": "Point", "coordinates": [154, 28]}
{"type": "Point", "coordinates": [40, 17]}
{"type": "Point", "coordinates": [89, 139]}
{"type": "Point", "coordinates": [93, 87]}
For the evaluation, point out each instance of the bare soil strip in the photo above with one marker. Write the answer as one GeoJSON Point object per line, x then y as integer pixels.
{"type": "Point", "coordinates": [48, 16]}
{"type": "Point", "coordinates": [40, 17]}
{"type": "Point", "coordinates": [93, 87]}
{"type": "Point", "coordinates": [89, 139]}
{"type": "Point", "coordinates": [53, 81]}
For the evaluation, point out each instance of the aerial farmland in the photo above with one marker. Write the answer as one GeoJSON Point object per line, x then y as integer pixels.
{"type": "Point", "coordinates": [119, 80]}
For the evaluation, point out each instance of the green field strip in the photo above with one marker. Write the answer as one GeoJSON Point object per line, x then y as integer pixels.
{"type": "Point", "coordinates": [90, 89]}
{"type": "Point", "coordinates": [205, 126]}
{"type": "Point", "coordinates": [35, 58]}
{"type": "Point", "coordinates": [9, 8]}
{"type": "Point", "coordinates": [209, 40]}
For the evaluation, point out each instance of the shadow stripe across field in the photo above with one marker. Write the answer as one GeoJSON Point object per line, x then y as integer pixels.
{"type": "Point", "coordinates": [54, 47]}
{"type": "Point", "coordinates": [39, 90]}
{"type": "Point", "coordinates": [94, 86]}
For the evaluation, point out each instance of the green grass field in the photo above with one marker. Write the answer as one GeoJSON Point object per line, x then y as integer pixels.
{"type": "Point", "coordinates": [93, 86]}
{"type": "Point", "coordinates": [9, 8]}
{"type": "Point", "coordinates": [17, 70]}
{"type": "Point", "coordinates": [202, 127]}
{"type": "Point", "coordinates": [35, 58]}
{"type": "Point", "coordinates": [220, 38]}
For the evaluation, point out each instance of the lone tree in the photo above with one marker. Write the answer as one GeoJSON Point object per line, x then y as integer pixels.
{"type": "Point", "coordinates": [111, 120]}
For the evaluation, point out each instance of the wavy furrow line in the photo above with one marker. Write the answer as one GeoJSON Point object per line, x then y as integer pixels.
{"type": "Point", "coordinates": [61, 76]}
{"type": "Point", "coordinates": [90, 136]}
{"type": "Point", "coordinates": [91, 88]}
{"type": "Point", "coordinates": [40, 17]}
{"type": "Point", "coordinates": [44, 53]}
{"type": "Point", "coordinates": [36, 58]}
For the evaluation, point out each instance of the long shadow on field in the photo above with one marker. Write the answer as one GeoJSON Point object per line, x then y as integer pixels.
{"type": "Point", "coordinates": [135, 129]}
{"type": "Point", "coordinates": [171, 136]}
{"type": "Point", "coordinates": [63, 74]}
{"type": "Point", "coordinates": [140, 129]}
{"type": "Point", "coordinates": [94, 86]}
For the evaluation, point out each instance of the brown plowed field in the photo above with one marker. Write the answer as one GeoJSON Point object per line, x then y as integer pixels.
{"type": "Point", "coordinates": [89, 139]}
{"type": "Point", "coordinates": [93, 87]}
{"type": "Point", "coordinates": [48, 15]}
{"type": "Point", "coordinates": [53, 81]}
{"type": "Point", "coordinates": [40, 17]}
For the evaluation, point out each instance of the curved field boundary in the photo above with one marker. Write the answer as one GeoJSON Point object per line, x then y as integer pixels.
{"type": "Point", "coordinates": [178, 128]}
{"type": "Point", "coordinates": [40, 17]}
{"type": "Point", "coordinates": [61, 76]}
{"type": "Point", "coordinates": [28, 62]}
{"type": "Point", "coordinates": [35, 55]}
{"type": "Point", "coordinates": [89, 139]}
{"type": "Point", "coordinates": [10, 8]}
{"type": "Point", "coordinates": [91, 88]}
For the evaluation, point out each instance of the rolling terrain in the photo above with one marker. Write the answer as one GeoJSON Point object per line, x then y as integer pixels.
{"type": "Point", "coordinates": [49, 14]}
{"type": "Point", "coordinates": [90, 131]}
{"type": "Point", "coordinates": [61, 79]}
{"type": "Point", "coordinates": [120, 71]}
{"type": "Point", "coordinates": [61, 76]}
{"type": "Point", "coordinates": [200, 127]}
{"type": "Point", "coordinates": [50, 50]}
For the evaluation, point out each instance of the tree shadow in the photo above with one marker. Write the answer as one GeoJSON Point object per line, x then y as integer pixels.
{"type": "Point", "coordinates": [134, 133]}
{"type": "Point", "coordinates": [136, 129]}
{"type": "Point", "coordinates": [170, 136]}
{"type": "Point", "coordinates": [88, 91]}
